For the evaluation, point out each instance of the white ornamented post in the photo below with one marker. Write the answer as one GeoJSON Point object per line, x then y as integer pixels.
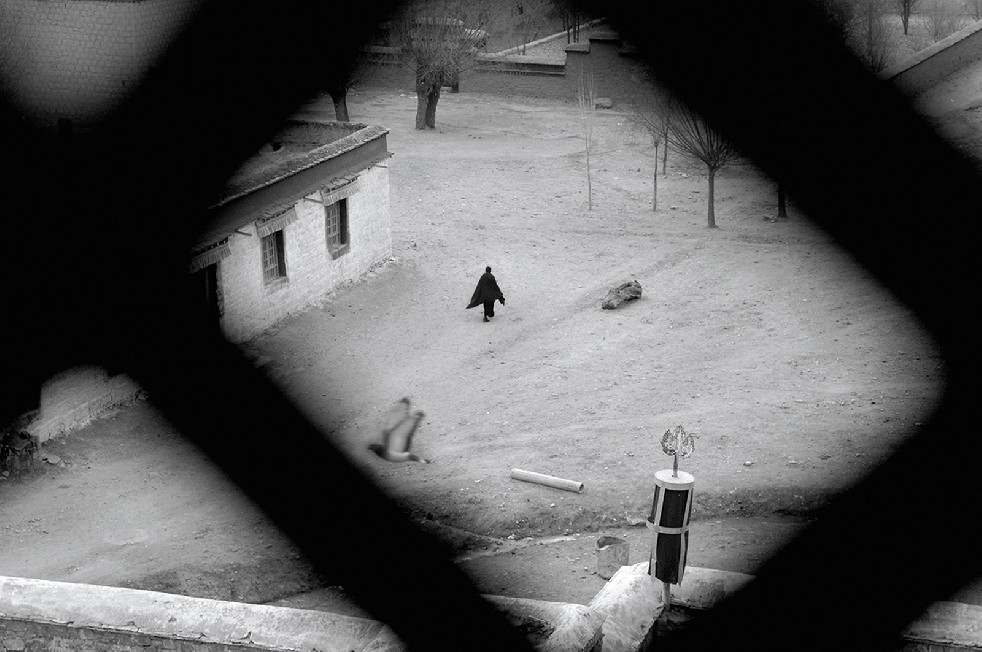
{"type": "Point", "coordinates": [671, 508]}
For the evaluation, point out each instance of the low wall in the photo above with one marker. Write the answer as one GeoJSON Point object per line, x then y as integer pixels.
{"type": "Point", "coordinates": [615, 69]}
{"type": "Point", "coordinates": [43, 615]}
{"type": "Point", "coordinates": [76, 397]}
{"type": "Point", "coordinates": [631, 596]}
{"type": "Point", "coordinates": [501, 75]}
{"type": "Point", "coordinates": [932, 64]}
{"type": "Point", "coordinates": [516, 74]}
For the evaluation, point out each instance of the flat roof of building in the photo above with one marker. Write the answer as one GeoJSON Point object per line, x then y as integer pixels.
{"type": "Point", "coordinates": [304, 157]}
{"type": "Point", "coordinates": [300, 145]}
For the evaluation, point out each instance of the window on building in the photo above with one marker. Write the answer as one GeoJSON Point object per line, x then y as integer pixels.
{"type": "Point", "coordinates": [274, 262]}
{"type": "Point", "coordinates": [337, 228]}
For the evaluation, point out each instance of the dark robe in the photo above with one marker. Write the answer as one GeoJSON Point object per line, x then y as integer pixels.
{"type": "Point", "coordinates": [486, 292]}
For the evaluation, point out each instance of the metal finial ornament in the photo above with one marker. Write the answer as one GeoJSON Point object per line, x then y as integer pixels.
{"type": "Point", "coordinates": [679, 443]}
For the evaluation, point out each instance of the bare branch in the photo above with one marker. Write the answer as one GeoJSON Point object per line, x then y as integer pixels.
{"type": "Point", "coordinates": [942, 19]}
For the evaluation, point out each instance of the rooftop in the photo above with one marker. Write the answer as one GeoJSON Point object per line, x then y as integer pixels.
{"type": "Point", "coordinates": [300, 145]}
{"type": "Point", "coordinates": [943, 82]}
{"type": "Point", "coordinates": [303, 157]}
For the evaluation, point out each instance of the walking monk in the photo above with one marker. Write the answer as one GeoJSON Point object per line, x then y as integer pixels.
{"type": "Point", "coordinates": [486, 292]}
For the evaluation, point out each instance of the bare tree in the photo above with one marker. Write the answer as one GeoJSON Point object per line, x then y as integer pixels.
{"type": "Point", "coordinates": [530, 18]}
{"type": "Point", "coordinates": [690, 134]}
{"type": "Point", "coordinates": [572, 19]}
{"type": "Point", "coordinates": [651, 124]}
{"type": "Point", "coordinates": [587, 101]}
{"type": "Point", "coordinates": [439, 39]}
{"type": "Point", "coordinates": [974, 8]}
{"type": "Point", "coordinates": [651, 113]}
{"type": "Point", "coordinates": [942, 19]}
{"type": "Point", "coordinates": [656, 140]}
{"type": "Point", "coordinates": [904, 9]}
{"type": "Point", "coordinates": [869, 33]}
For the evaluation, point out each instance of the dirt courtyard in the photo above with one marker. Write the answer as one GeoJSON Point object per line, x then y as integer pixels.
{"type": "Point", "coordinates": [794, 369]}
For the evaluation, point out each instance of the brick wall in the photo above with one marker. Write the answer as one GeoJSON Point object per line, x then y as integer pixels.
{"type": "Point", "coordinates": [76, 397]}
{"type": "Point", "coordinates": [77, 59]}
{"type": "Point", "coordinates": [251, 306]}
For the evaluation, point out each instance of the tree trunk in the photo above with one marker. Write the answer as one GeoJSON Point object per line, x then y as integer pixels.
{"type": "Point", "coordinates": [427, 95]}
{"type": "Point", "coordinates": [782, 210]}
{"type": "Point", "coordinates": [421, 102]}
{"type": "Point", "coordinates": [654, 188]}
{"type": "Point", "coordinates": [431, 101]}
{"type": "Point", "coordinates": [711, 214]}
{"type": "Point", "coordinates": [589, 186]}
{"type": "Point", "coordinates": [664, 154]}
{"type": "Point", "coordinates": [340, 106]}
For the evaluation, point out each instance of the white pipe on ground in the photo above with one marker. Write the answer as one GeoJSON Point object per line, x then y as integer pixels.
{"type": "Point", "coordinates": [547, 480]}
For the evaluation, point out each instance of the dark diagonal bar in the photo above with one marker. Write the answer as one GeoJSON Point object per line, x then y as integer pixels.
{"type": "Point", "coordinates": [783, 87]}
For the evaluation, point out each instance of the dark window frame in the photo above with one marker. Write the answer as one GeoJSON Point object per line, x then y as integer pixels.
{"type": "Point", "coordinates": [339, 238]}
{"type": "Point", "coordinates": [273, 257]}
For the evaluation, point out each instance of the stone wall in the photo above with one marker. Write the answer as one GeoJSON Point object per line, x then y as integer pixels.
{"type": "Point", "coordinates": [76, 397]}
{"type": "Point", "coordinates": [76, 60]}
